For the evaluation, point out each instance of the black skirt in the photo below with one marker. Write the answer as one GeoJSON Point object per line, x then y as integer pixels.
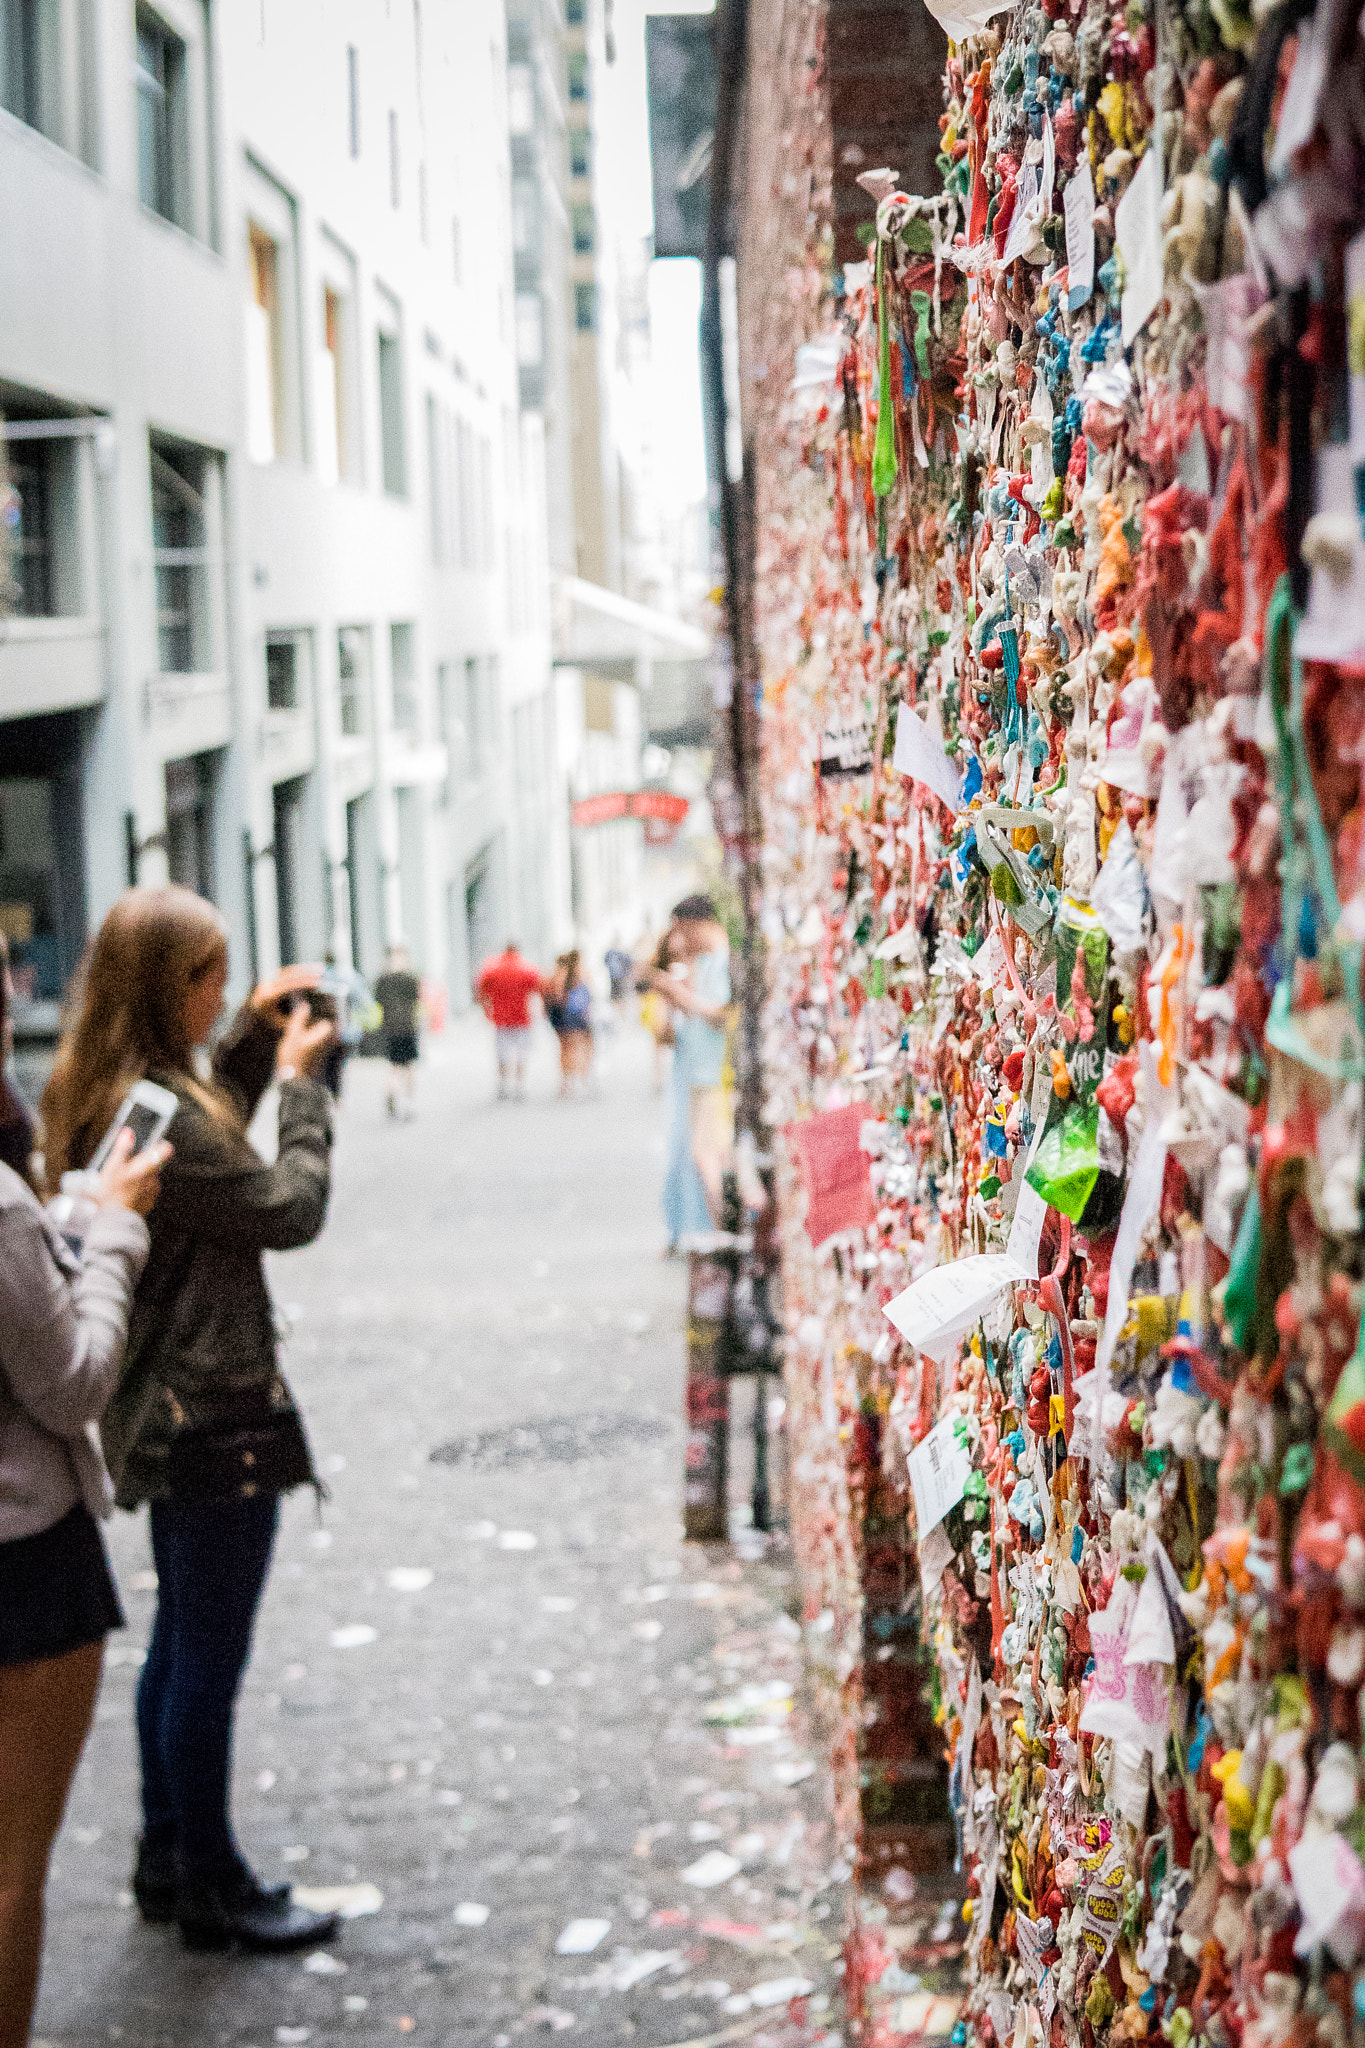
{"type": "Point", "coordinates": [56, 1593]}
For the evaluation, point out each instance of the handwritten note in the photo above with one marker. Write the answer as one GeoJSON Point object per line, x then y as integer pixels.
{"type": "Point", "coordinates": [939, 1470]}
{"type": "Point", "coordinates": [1078, 205]}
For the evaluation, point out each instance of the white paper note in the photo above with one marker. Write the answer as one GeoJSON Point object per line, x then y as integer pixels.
{"type": "Point", "coordinates": [963, 18]}
{"type": "Point", "coordinates": [1137, 224]}
{"type": "Point", "coordinates": [1027, 213]}
{"type": "Point", "coordinates": [1141, 1201]}
{"type": "Point", "coordinates": [919, 754]}
{"type": "Point", "coordinates": [936, 1553]}
{"type": "Point", "coordinates": [1078, 204]}
{"type": "Point", "coordinates": [939, 1471]}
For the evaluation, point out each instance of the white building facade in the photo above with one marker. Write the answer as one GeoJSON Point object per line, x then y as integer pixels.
{"type": "Point", "coordinates": [278, 622]}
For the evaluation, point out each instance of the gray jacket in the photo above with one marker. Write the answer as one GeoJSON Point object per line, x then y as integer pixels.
{"type": "Point", "coordinates": [62, 1331]}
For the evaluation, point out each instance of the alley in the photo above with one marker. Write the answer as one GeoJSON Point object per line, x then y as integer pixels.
{"type": "Point", "coordinates": [482, 1674]}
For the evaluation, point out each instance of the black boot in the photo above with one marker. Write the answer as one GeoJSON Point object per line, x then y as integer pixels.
{"type": "Point", "coordinates": [156, 1883]}
{"type": "Point", "coordinates": [231, 1910]}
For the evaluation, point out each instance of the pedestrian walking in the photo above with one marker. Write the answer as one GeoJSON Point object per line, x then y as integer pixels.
{"type": "Point", "coordinates": [506, 988]}
{"type": "Point", "coordinates": [700, 1002]}
{"type": "Point", "coordinates": [398, 993]}
{"type": "Point", "coordinates": [202, 1425]}
{"type": "Point", "coordinates": [63, 1323]}
{"type": "Point", "coordinates": [620, 973]}
{"type": "Point", "coordinates": [568, 1005]}
{"type": "Point", "coordinates": [350, 992]}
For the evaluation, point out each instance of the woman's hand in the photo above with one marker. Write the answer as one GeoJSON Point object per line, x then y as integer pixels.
{"type": "Point", "coordinates": [130, 1180]}
{"type": "Point", "coordinates": [303, 1043]}
{"type": "Point", "coordinates": [269, 1000]}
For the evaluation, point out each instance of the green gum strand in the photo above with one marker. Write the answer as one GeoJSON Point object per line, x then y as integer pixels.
{"type": "Point", "coordinates": [884, 464]}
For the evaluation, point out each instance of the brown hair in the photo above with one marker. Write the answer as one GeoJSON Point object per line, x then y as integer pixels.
{"type": "Point", "coordinates": [126, 1017]}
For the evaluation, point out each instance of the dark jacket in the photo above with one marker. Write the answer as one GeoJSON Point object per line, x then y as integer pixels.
{"type": "Point", "coordinates": [202, 1318]}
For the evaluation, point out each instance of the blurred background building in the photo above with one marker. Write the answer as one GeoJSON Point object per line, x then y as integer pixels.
{"type": "Point", "coordinates": [337, 568]}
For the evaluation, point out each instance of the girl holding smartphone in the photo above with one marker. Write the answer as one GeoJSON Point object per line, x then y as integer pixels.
{"type": "Point", "coordinates": [62, 1330]}
{"type": "Point", "coordinates": [202, 1426]}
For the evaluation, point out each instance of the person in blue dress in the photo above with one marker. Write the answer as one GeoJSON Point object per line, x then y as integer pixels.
{"type": "Point", "coordinates": [701, 1138]}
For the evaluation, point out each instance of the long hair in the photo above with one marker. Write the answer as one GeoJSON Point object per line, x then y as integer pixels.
{"type": "Point", "coordinates": [16, 1125]}
{"type": "Point", "coordinates": [126, 1018]}
{"type": "Point", "coordinates": [567, 964]}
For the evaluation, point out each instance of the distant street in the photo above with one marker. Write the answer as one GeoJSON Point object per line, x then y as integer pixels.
{"type": "Point", "coordinates": [480, 1684]}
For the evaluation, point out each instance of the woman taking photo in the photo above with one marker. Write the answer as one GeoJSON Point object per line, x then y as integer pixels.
{"type": "Point", "coordinates": [202, 1425]}
{"type": "Point", "coordinates": [62, 1328]}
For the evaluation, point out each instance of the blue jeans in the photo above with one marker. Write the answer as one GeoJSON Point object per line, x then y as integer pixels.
{"type": "Point", "coordinates": [211, 1560]}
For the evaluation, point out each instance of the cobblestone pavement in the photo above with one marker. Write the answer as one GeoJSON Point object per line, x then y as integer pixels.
{"type": "Point", "coordinates": [495, 1688]}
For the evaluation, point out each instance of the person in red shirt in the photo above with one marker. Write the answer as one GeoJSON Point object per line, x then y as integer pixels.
{"type": "Point", "coordinates": [505, 989]}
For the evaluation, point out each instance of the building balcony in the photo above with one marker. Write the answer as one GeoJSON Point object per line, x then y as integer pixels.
{"type": "Point", "coordinates": [187, 714]}
{"type": "Point", "coordinates": [412, 761]}
{"type": "Point", "coordinates": [288, 746]}
{"type": "Point", "coordinates": [50, 665]}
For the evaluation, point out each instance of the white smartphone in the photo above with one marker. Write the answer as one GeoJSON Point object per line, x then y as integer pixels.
{"type": "Point", "coordinates": [146, 1110]}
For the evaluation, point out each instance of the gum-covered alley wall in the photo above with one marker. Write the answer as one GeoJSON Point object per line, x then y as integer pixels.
{"type": "Point", "coordinates": [1060, 610]}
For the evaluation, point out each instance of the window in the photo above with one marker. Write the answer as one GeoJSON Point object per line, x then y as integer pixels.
{"type": "Point", "coordinates": [274, 399]}
{"type": "Point", "coordinates": [30, 542]}
{"type": "Point", "coordinates": [575, 13]}
{"type": "Point", "coordinates": [353, 98]}
{"type": "Point", "coordinates": [580, 160]}
{"type": "Point", "coordinates": [584, 225]}
{"type": "Point", "coordinates": [521, 100]}
{"type": "Point", "coordinates": [578, 76]}
{"type": "Point", "coordinates": [353, 679]}
{"type": "Point", "coordinates": [585, 308]}
{"type": "Point", "coordinates": [21, 60]}
{"type": "Point", "coordinates": [394, 192]}
{"type": "Point", "coordinates": [394, 463]}
{"type": "Point", "coordinates": [331, 454]}
{"type": "Point", "coordinates": [475, 737]}
{"type": "Point", "coordinates": [161, 139]}
{"type": "Point", "coordinates": [523, 218]}
{"type": "Point", "coordinates": [180, 555]}
{"type": "Point", "coordinates": [337, 409]}
{"type": "Point", "coordinates": [46, 65]}
{"type": "Point", "coordinates": [530, 330]}
{"type": "Point", "coordinates": [281, 672]}
{"type": "Point", "coordinates": [403, 667]}
{"type": "Point", "coordinates": [189, 822]}
{"type": "Point", "coordinates": [264, 395]}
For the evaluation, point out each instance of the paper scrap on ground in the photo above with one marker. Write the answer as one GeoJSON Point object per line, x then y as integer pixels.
{"type": "Point", "coordinates": [716, 1866]}
{"type": "Point", "coordinates": [516, 1539]}
{"type": "Point", "coordinates": [351, 1901]}
{"type": "Point", "coordinates": [581, 1937]}
{"type": "Point", "coordinates": [470, 1914]}
{"type": "Point", "coordinates": [354, 1636]}
{"type": "Point", "coordinates": [411, 1578]}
